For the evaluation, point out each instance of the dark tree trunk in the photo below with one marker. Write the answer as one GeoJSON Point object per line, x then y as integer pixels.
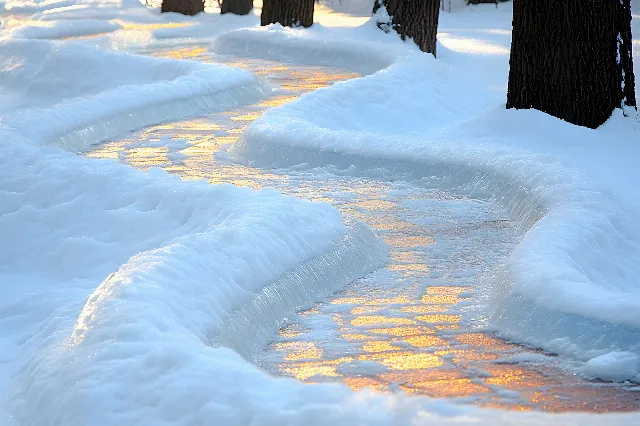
{"type": "Point", "coordinates": [290, 13]}
{"type": "Point", "coordinates": [237, 7]}
{"type": "Point", "coordinates": [416, 19]}
{"type": "Point", "coordinates": [186, 7]}
{"type": "Point", "coordinates": [572, 58]}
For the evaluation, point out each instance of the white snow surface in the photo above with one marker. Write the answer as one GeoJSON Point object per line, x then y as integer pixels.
{"type": "Point", "coordinates": [51, 90]}
{"type": "Point", "coordinates": [118, 285]}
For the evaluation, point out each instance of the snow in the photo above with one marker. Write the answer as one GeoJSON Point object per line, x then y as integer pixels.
{"type": "Point", "coordinates": [62, 29]}
{"type": "Point", "coordinates": [51, 90]}
{"type": "Point", "coordinates": [125, 292]}
{"type": "Point", "coordinates": [613, 366]}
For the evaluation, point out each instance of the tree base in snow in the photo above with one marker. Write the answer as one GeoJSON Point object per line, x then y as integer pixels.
{"type": "Point", "coordinates": [572, 59]}
{"type": "Point", "coordinates": [289, 13]}
{"type": "Point", "coordinates": [237, 7]}
{"type": "Point", "coordinates": [186, 7]}
{"type": "Point", "coordinates": [415, 19]}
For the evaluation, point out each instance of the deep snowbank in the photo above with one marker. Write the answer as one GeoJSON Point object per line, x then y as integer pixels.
{"type": "Point", "coordinates": [571, 285]}
{"type": "Point", "coordinates": [71, 93]}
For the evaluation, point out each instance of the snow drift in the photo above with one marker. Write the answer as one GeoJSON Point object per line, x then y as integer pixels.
{"type": "Point", "coordinates": [70, 93]}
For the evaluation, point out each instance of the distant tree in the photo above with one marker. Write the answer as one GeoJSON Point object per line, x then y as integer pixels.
{"type": "Point", "coordinates": [485, 1]}
{"type": "Point", "coordinates": [572, 59]}
{"type": "Point", "coordinates": [186, 7]}
{"type": "Point", "coordinates": [290, 13]}
{"type": "Point", "coordinates": [416, 19]}
{"type": "Point", "coordinates": [237, 7]}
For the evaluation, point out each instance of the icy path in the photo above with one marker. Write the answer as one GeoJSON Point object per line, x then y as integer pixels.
{"type": "Point", "coordinates": [404, 326]}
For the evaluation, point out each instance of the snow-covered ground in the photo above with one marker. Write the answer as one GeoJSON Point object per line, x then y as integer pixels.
{"type": "Point", "coordinates": [117, 282]}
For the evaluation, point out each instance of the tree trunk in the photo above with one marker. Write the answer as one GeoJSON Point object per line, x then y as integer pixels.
{"type": "Point", "coordinates": [572, 59]}
{"type": "Point", "coordinates": [416, 19]}
{"type": "Point", "coordinates": [237, 7]}
{"type": "Point", "coordinates": [186, 7]}
{"type": "Point", "coordinates": [290, 13]}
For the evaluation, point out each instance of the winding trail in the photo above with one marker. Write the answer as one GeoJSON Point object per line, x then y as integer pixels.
{"type": "Point", "coordinates": [403, 327]}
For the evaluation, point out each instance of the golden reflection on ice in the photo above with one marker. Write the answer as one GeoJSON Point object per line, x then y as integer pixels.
{"type": "Point", "coordinates": [447, 388]}
{"type": "Point", "coordinates": [370, 302]}
{"type": "Point", "coordinates": [185, 52]}
{"type": "Point", "coordinates": [426, 341]}
{"type": "Point", "coordinates": [440, 299]}
{"type": "Point", "coordinates": [366, 310]}
{"type": "Point", "coordinates": [424, 309]}
{"type": "Point", "coordinates": [438, 318]}
{"type": "Point", "coordinates": [379, 346]}
{"type": "Point", "coordinates": [359, 383]}
{"type": "Point", "coordinates": [299, 350]}
{"type": "Point", "coordinates": [246, 117]}
{"type": "Point", "coordinates": [401, 331]}
{"type": "Point", "coordinates": [410, 361]}
{"type": "Point", "coordinates": [355, 336]}
{"type": "Point", "coordinates": [379, 320]}
{"type": "Point", "coordinates": [277, 101]}
{"type": "Point", "coordinates": [452, 290]}
{"type": "Point", "coordinates": [146, 157]}
{"type": "Point", "coordinates": [290, 331]}
{"type": "Point", "coordinates": [306, 370]}
{"type": "Point", "coordinates": [484, 340]}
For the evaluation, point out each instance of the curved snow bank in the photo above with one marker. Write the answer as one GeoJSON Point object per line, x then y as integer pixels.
{"type": "Point", "coordinates": [285, 44]}
{"type": "Point", "coordinates": [248, 329]}
{"type": "Point", "coordinates": [72, 94]}
{"type": "Point", "coordinates": [62, 29]}
{"type": "Point", "coordinates": [572, 283]}
{"type": "Point", "coordinates": [196, 253]}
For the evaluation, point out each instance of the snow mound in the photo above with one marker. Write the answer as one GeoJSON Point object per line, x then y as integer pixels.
{"type": "Point", "coordinates": [613, 366]}
{"type": "Point", "coordinates": [70, 93]}
{"type": "Point", "coordinates": [571, 285]}
{"type": "Point", "coordinates": [62, 29]}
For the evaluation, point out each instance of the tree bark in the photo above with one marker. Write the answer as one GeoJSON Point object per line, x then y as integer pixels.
{"type": "Point", "coordinates": [572, 59]}
{"type": "Point", "coordinates": [186, 7]}
{"type": "Point", "coordinates": [237, 7]}
{"type": "Point", "coordinates": [416, 19]}
{"type": "Point", "coordinates": [289, 13]}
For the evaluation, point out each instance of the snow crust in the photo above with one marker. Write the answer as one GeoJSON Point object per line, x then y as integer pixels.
{"type": "Point", "coordinates": [571, 285]}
